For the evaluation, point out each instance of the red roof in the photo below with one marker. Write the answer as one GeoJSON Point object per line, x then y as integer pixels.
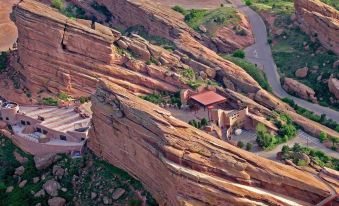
{"type": "Point", "coordinates": [208, 98]}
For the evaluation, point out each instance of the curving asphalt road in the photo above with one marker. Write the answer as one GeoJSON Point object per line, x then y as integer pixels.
{"type": "Point", "coordinates": [260, 53]}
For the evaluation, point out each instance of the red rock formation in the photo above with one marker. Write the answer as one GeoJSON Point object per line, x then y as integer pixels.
{"type": "Point", "coordinates": [61, 54]}
{"type": "Point", "coordinates": [299, 89]}
{"type": "Point", "coordinates": [181, 165]}
{"type": "Point", "coordinates": [320, 21]}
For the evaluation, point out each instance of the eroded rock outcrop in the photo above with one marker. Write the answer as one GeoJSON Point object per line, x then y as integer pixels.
{"type": "Point", "coordinates": [181, 165]}
{"type": "Point", "coordinates": [163, 21]}
{"type": "Point", "coordinates": [64, 55]}
{"type": "Point", "coordinates": [320, 21]}
{"type": "Point", "coordinates": [299, 89]}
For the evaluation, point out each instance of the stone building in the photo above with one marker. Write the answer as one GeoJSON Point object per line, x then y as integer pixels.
{"type": "Point", "coordinates": [46, 129]}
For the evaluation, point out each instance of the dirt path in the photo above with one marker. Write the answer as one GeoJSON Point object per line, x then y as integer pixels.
{"type": "Point", "coordinates": [8, 31]}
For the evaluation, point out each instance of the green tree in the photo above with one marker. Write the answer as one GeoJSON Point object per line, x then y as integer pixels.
{"type": "Point", "coordinates": [323, 137]}
{"type": "Point", "coordinates": [240, 144]}
{"type": "Point", "coordinates": [248, 2]}
{"type": "Point", "coordinates": [204, 122]}
{"type": "Point", "coordinates": [58, 4]}
{"type": "Point", "coordinates": [239, 53]}
{"type": "Point", "coordinates": [264, 139]}
{"type": "Point", "coordinates": [285, 149]}
{"type": "Point", "coordinates": [334, 141]}
{"type": "Point", "coordinates": [249, 146]}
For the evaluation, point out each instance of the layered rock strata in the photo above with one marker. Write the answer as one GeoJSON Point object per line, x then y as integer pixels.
{"type": "Point", "coordinates": [163, 21]}
{"type": "Point", "coordinates": [64, 55]}
{"type": "Point", "coordinates": [320, 21]}
{"type": "Point", "coordinates": [181, 165]}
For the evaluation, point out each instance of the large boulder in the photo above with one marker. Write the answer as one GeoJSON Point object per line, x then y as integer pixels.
{"type": "Point", "coordinates": [333, 86]}
{"type": "Point", "coordinates": [302, 72]}
{"type": "Point", "coordinates": [51, 187]}
{"type": "Point", "coordinates": [296, 88]}
{"type": "Point", "coordinates": [44, 161]}
{"type": "Point", "coordinates": [56, 201]}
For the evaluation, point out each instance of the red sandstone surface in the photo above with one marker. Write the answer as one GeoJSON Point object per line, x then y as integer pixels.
{"type": "Point", "coordinates": [320, 21]}
{"type": "Point", "coordinates": [181, 165]}
{"type": "Point", "coordinates": [9, 33]}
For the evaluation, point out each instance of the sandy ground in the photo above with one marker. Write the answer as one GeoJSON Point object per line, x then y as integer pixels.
{"type": "Point", "coordinates": [193, 4]}
{"type": "Point", "coordinates": [8, 31]}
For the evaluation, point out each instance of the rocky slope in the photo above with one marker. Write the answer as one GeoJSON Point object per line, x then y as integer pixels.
{"type": "Point", "coordinates": [320, 21]}
{"type": "Point", "coordinates": [60, 54]}
{"type": "Point", "coordinates": [63, 55]}
{"type": "Point", "coordinates": [181, 165]}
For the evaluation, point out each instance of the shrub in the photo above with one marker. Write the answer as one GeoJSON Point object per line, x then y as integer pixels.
{"type": "Point", "coordinates": [249, 146]}
{"type": "Point", "coordinates": [322, 137]}
{"type": "Point", "coordinates": [50, 101]}
{"type": "Point", "coordinates": [240, 144]}
{"type": "Point", "coordinates": [204, 122]}
{"type": "Point", "coordinates": [58, 4]}
{"type": "Point", "coordinates": [302, 163]}
{"type": "Point", "coordinates": [285, 149]}
{"type": "Point", "coordinates": [248, 2]}
{"type": "Point", "coordinates": [154, 98]}
{"type": "Point", "coordinates": [179, 9]}
{"type": "Point", "coordinates": [252, 70]}
{"type": "Point", "coordinates": [239, 53]}
{"type": "Point", "coordinates": [83, 100]}
{"type": "Point", "coordinates": [63, 96]}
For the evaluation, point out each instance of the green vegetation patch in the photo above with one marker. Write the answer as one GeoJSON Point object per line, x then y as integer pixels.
{"type": "Point", "coordinates": [333, 3]}
{"type": "Point", "coordinates": [50, 101]}
{"type": "Point", "coordinates": [222, 16]}
{"type": "Point", "coordinates": [293, 50]}
{"type": "Point", "coordinates": [3, 61]}
{"type": "Point", "coordinates": [157, 40]}
{"type": "Point", "coordinates": [319, 157]}
{"type": "Point", "coordinates": [84, 175]}
{"type": "Point", "coordinates": [164, 98]}
{"type": "Point", "coordinates": [310, 115]}
{"type": "Point", "coordinates": [69, 10]}
{"type": "Point", "coordinates": [272, 6]}
{"type": "Point", "coordinates": [287, 131]}
{"type": "Point", "coordinates": [257, 74]}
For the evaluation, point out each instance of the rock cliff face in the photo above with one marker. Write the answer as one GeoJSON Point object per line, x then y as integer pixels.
{"type": "Point", "coordinates": [181, 165]}
{"type": "Point", "coordinates": [164, 22]}
{"type": "Point", "coordinates": [320, 21]}
{"type": "Point", "coordinates": [63, 55]}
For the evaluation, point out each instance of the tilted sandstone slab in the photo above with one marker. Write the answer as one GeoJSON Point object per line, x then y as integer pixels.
{"type": "Point", "coordinates": [181, 165]}
{"type": "Point", "coordinates": [64, 55]}
{"type": "Point", "coordinates": [320, 21]}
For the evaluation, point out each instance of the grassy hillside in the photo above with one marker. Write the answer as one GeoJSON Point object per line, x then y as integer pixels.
{"type": "Point", "coordinates": [273, 6]}
{"type": "Point", "coordinates": [211, 19]}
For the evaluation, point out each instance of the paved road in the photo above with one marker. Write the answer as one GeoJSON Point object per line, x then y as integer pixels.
{"type": "Point", "coordinates": [260, 54]}
{"type": "Point", "coordinates": [302, 138]}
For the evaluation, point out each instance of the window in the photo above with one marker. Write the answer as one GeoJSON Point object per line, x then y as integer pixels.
{"type": "Point", "coordinates": [63, 137]}
{"type": "Point", "coordinates": [82, 139]}
{"type": "Point", "coordinates": [39, 130]}
{"type": "Point", "coordinates": [7, 118]}
{"type": "Point", "coordinates": [28, 123]}
{"type": "Point", "coordinates": [23, 122]}
{"type": "Point", "coordinates": [44, 132]}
